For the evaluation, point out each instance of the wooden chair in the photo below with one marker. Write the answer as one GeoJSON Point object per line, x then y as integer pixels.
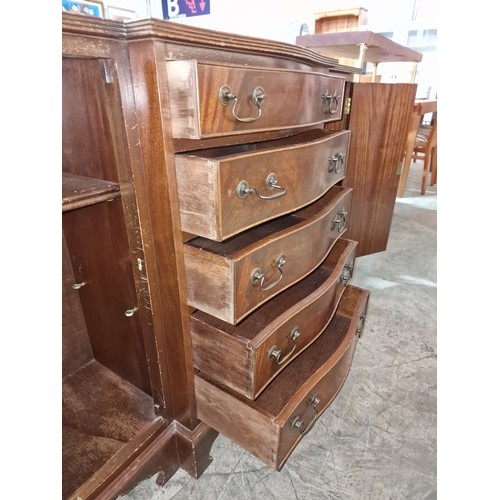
{"type": "Point", "coordinates": [425, 148]}
{"type": "Point", "coordinates": [421, 109]}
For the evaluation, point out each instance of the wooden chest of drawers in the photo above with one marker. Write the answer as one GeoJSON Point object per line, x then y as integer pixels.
{"type": "Point", "coordinates": [263, 213]}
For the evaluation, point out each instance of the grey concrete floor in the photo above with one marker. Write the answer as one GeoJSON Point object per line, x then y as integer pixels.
{"type": "Point", "coordinates": [378, 438]}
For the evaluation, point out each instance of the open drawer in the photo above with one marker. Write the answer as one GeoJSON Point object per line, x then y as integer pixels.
{"type": "Point", "coordinates": [211, 100]}
{"type": "Point", "coordinates": [271, 426]}
{"type": "Point", "coordinates": [223, 191]}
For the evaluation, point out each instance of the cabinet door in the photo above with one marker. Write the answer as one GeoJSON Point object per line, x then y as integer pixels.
{"type": "Point", "coordinates": [378, 120]}
{"type": "Point", "coordinates": [107, 406]}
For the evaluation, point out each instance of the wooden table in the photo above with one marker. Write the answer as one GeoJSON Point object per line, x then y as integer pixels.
{"type": "Point", "coordinates": [420, 108]}
{"type": "Point", "coordinates": [365, 46]}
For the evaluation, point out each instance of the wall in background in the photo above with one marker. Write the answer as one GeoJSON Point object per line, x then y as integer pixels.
{"type": "Point", "coordinates": [412, 23]}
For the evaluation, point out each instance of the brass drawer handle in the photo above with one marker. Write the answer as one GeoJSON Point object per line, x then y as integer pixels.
{"type": "Point", "coordinates": [361, 327]}
{"type": "Point", "coordinates": [275, 353]}
{"type": "Point", "coordinates": [329, 99]}
{"type": "Point", "coordinates": [341, 220]}
{"type": "Point", "coordinates": [346, 273]}
{"type": "Point", "coordinates": [298, 422]}
{"type": "Point", "coordinates": [226, 96]}
{"type": "Point", "coordinates": [258, 276]}
{"type": "Point", "coordinates": [336, 163]}
{"type": "Point", "coordinates": [243, 189]}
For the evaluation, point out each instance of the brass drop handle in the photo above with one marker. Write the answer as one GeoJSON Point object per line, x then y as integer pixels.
{"type": "Point", "coordinates": [346, 273]}
{"type": "Point", "coordinates": [361, 327]}
{"type": "Point", "coordinates": [226, 96]}
{"type": "Point", "coordinates": [298, 422]}
{"type": "Point", "coordinates": [340, 219]}
{"type": "Point", "coordinates": [77, 286]}
{"type": "Point", "coordinates": [243, 189]}
{"type": "Point", "coordinates": [275, 353]}
{"type": "Point", "coordinates": [329, 99]}
{"type": "Point", "coordinates": [336, 163]}
{"type": "Point", "coordinates": [258, 276]}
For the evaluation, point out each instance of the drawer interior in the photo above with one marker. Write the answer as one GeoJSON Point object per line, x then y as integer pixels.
{"type": "Point", "coordinates": [253, 147]}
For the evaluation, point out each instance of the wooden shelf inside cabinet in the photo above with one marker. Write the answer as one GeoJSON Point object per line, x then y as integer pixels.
{"type": "Point", "coordinates": [81, 191]}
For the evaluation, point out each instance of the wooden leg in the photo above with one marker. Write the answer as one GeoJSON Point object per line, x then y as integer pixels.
{"type": "Point", "coordinates": [194, 448]}
{"type": "Point", "coordinates": [427, 163]}
{"type": "Point", "coordinates": [434, 166]}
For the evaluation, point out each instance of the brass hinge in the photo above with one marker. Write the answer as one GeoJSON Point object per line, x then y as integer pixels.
{"type": "Point", "coordinates": [347, 106]}
{"type": "Point", "coordinates": [399, 168]}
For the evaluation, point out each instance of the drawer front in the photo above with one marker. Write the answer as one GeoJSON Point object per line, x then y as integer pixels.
{"type": "Point", "coordinates": [230, 287]}
{"type": "Point", "coordinates": [246, 357]}
{"type": "Point", "coordinates": [210, 100]}
{"type": "Point", "coordinates": [224, 191]}
{"type": "Point", "coordinates": [271, 426]}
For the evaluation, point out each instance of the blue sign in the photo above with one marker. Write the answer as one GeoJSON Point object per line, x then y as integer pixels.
{"type": "Point", "coordinates": [173, 9]}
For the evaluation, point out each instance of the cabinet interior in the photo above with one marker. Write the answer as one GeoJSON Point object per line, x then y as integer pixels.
{"type": "Point", "coordinates": [106, 392]}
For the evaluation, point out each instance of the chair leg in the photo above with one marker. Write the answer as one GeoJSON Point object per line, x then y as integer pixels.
{"type": "Point", "coordinates": [433, 166]}
{"type": "Point", "coordinates": [427, 163]}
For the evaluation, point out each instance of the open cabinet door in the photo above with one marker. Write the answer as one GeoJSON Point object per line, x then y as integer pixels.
{"type": "Point", "coordinates": [378, 118]}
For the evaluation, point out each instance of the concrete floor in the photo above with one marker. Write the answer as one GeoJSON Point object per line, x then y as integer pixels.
{"type": "Point", "coordinates": [378, 438]}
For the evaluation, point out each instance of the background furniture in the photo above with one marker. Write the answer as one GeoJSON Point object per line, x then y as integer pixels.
{"type": "Point", "coordinates": [428, 147]}
{"type": "Point", "coordinates": [360, 46]}
{"type": "Point", "coordinates": [340, 20]}
{"type": "Point", "coordinates": [425, 149]}
{"type": "Point", "coordinates": [207, 262]}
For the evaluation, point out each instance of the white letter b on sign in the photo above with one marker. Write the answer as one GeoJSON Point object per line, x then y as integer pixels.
{"type": "Point", "coordinates": [173, 8]}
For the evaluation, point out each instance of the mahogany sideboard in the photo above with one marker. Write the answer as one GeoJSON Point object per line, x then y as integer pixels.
{"type": "Point", "coordinates": [205, 262]}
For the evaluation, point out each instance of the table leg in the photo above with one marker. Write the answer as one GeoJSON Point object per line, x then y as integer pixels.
{"type": "Point", "coordinates": [410, 141]}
